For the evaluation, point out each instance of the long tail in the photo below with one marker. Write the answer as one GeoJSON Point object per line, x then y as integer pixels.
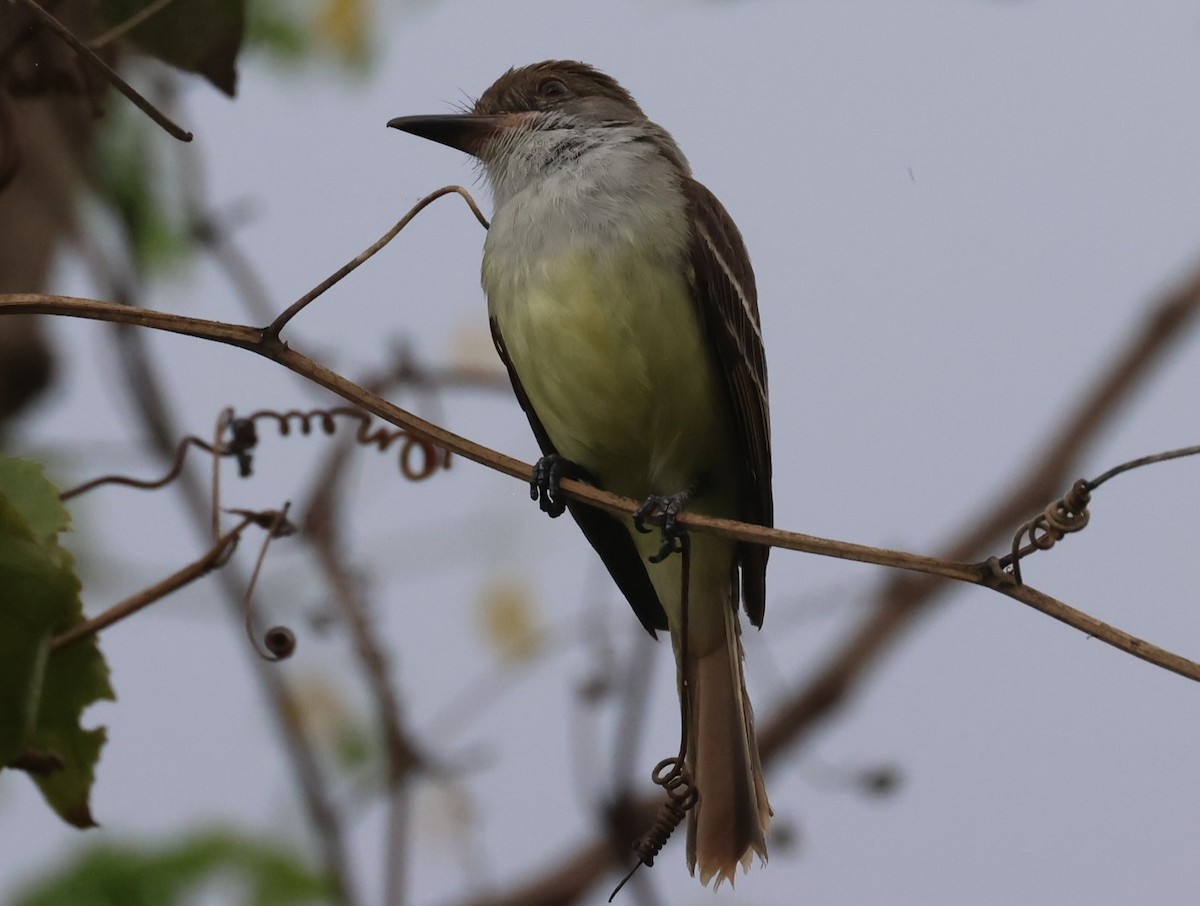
{"type": "Point", "coordinates": [728, 824]}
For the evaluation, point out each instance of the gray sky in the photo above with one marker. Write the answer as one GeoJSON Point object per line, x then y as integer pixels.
{"type": "Point", "coordinates": [956, 212]}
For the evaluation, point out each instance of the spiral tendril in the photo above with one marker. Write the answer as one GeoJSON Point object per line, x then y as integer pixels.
{"type": "Point", "coordinates": [672, 774]}
{"type": "Point", "coordinates": [1061, 517]}
{"type": "Point", "coordinates": [681, 796]}
{"type": "Point", "coordinates": [244, 437]}
{"type": "Point", "coordinates": [278, 643]}
{"type": "Point", "coordinates": [432, 458]}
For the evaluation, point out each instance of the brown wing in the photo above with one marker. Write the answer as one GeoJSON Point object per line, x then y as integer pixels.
{"type": "Point", "coordinates": [728, 304]}
{"type": "Point", "coordinates": [610, 539]}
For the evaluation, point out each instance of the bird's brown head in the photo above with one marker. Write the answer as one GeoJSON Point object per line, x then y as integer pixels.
{"type": "Point", "coordinates": [557, 85]}
{"type": "Point", "coordinates": [554, 93]}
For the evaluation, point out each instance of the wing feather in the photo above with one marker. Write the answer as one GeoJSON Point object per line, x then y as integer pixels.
{"type": "Point", "coordinates": [727, 300]}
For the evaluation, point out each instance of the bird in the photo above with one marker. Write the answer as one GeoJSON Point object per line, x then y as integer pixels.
{"type": "Point", "coordinates": [623, 305]}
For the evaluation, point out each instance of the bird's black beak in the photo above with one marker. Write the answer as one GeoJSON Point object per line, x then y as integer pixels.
{"type": "Point", "coordinates": [467, 132]}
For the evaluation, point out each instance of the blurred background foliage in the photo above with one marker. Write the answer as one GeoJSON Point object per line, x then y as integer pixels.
{"type": "Point", "coordinates": [224, 865]}
{"type": "Point", "coordinates": [81, 167]}
{"type": "Point", "coordinates": [88, 178]}
{"type": "Point", "coordinates": [69, 144]}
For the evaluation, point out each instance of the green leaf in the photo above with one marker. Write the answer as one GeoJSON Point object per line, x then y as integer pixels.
{"type": "Point", "coordinates": [267, 873]}
{"type": "Point", "coordinates": [22, 482]}
{"type": "Point", "coordinates": [25, 630]}
{"type": "Point", "coordinates": [201, 36]}
{"type": "Point", "coordinates": [43, 693]}
{"type": "Point", "coordinates": [76, 676]}
{"type": "Point", "coordinates": [35, 598]}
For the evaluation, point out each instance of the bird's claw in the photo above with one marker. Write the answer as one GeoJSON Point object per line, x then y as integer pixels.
{"type": "Point", "coordinates": [668, 509]}
{"type": "Point", "coordinates": [548, 473]}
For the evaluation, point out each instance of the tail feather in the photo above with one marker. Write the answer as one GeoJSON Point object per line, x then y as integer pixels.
{"type": "Point", "coordinates": [729, 822]}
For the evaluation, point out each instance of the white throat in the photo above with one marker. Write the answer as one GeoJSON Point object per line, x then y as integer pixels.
{"type": "Point", "coordinates": [609, 185]}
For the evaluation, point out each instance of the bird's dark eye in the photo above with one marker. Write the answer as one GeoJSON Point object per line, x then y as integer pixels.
{"type": "Point", "coordinates": [553, 88]}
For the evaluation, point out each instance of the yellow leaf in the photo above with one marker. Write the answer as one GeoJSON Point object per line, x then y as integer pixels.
{"type": "Point", "coordinates": [319, 707]}
{"type": "Point", "coordinates": [510, 621]}
{"type": "Point", "coordinates": [345, 25]}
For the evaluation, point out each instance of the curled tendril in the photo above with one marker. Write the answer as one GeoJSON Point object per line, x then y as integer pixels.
{"type": "Point", "coordinates": [1070, 512]}
{"type": "Point", "coordinates": [147, 484]}
{"type": "Point", "coordinates": [279, 642]}
{"type": "Point", "coordinates": [432, 456]}
{"type": "Point", "coordinates": [1061, 517]}
{"type": "Point", "coordinates": [672, 774]}
{"type": "Point", "coordinates": [418, 459]}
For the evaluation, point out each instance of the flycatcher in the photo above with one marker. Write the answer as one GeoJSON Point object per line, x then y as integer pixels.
{"type": "Point", "coordinates": [623, 304]}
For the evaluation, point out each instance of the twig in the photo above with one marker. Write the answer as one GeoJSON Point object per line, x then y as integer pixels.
{"type": "Point", "coordinates": [146, 484]}
{"type": "Point", "coordinates": [273, 329]}
{"type": "Point", "coordinates": [215, 557]}
{"type": "Point", "coordinates": [245, 439]}
{"type": "Point", "coordinates": [86, 53]}
{"type": "Point", "coordinates": [1086, 623]}
{"type": "Point", "coordinates": [256, 340]}
{"type": "Point", "coordinates": [1143, 461]}
{"type": "Point", "coordinates": [279, 642]}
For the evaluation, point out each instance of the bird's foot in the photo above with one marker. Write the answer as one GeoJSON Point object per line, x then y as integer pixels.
{"type": "Point", "coordinates": [667, 508]}
{"type": "Point", "coordinates": [548, 473]}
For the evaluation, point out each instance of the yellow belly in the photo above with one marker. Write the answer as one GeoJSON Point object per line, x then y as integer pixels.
{"type": "Point", "coordinates": [611, 354]}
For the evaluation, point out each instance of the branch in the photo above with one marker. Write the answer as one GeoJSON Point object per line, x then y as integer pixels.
{"type": "Point", "coordinates": [256, 340]}
{"type": "Point", "coordinates": [901, 601]}
{"type": "Point", "coordinates": [272, 331]}
{"type": "Point", "coordinates": [215, 557]}
{"type": "Point", "coordinates": [265, 343]}
{"type": "Point", "coordinates": [90, 57]}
